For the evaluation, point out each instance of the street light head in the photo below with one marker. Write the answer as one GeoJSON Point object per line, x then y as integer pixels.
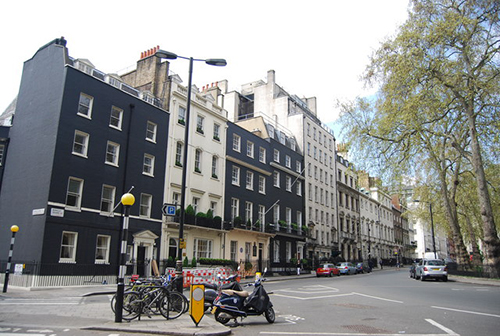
{"type": "Point", "coordinates": [216, 61]}
{"type": "Point", "coordinates": [165, 54]}
{"type": "Point", "coordinates": [128, 199]}
{"type": "Point", "coordinates": [14, 228]}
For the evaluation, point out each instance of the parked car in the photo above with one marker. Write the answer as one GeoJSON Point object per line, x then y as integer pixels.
{"type": "Point", "coordinates": [363, 267]}
{"type": "Point", "coordinates": [346, 268]}
{"type": "Point", "coordinates": [327, 270]}
{"type": "Point", "coordinates": [431, 268]}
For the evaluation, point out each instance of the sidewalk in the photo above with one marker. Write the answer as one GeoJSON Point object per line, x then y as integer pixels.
{"type": "Point", "coordinates": [66, 309]}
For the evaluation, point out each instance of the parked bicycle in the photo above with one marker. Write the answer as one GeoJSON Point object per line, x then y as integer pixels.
{"type": "Point", "coordinates": [152, 297]}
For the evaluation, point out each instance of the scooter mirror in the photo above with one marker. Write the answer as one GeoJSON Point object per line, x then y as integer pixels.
{"type": "Point", "coordinates": [265, 270]}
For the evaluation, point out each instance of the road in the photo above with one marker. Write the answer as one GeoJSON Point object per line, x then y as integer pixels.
{"type": "Point", "coordinates": [387, 303]}
{"type": "Point", "coordinates": [380, 303]}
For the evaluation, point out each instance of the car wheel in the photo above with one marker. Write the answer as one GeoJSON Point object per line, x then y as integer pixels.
{"type": "Point", "coordinates": [445, 279]}
{"type": "Point", "coordinates": [331, 274]}
{"type": "Point", "coordinates": [422, 278]}
{"type": "Point", "coordinates": [338, 274]}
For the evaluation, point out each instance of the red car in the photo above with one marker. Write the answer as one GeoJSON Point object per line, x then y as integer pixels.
{"type": "Point", "coordinates": [327, 270]}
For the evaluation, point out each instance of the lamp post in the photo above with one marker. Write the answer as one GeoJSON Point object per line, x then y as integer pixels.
{"type": "Point", "coordinates": [432, 230]}
{"type": "Point", "coordinates": [210, 61]}
{"type": "Point", "coordinates": [127, 200]}
{"type": "Point", "coordinates": [13, 229]}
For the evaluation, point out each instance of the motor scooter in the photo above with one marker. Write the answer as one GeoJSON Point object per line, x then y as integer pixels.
{"type": "Point", "coordinates": [231, 304]}
{"type": "Point", "coordinates": [211, 289]}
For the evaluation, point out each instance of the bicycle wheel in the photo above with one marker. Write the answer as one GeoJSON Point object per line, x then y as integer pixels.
{"type": "Point", "coordinates": [132, 305]}
{"type": "Point", "coordinates": [173, 305]}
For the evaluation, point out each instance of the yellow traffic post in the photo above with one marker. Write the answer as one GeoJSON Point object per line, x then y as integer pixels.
{"type": "Point", "coordinates": [197, 303]}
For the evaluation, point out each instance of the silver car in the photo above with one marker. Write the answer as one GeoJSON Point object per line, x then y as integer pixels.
{"type": "Point", "coordinates": [431, 268]}
{"type": "Point", "coordinates": [346, 268]}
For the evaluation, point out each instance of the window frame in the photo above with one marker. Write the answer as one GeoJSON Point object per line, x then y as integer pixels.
{"type": "Point", "coordinates": [88, 107]}
{"type": "Point", "coordinates": [151, 133]}
{"type": "Point", "coordinates": [119, 118]}
{"type": "Point", "coordinates": [72, 247]}
{"type": "Point", "coordinates": [83, 145]}
{"type": "Point", "coordinates": [235, 175]}
{"type": "Point", "coordinates": [105, 259]}
{"type": "Point", "coordinates": [110, 201]}
{"type": "Point", "coordinates": [76, 194]}
{"type": "Point", "coordinates": [145, 205]}
{"type": "Point", "coordinates": [115, 156]}
{"type": "Point", "coordinates": [151, 166]}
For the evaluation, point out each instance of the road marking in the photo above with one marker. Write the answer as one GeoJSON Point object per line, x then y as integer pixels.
{"type": "Point", "coordinates": [466, 311]}
{"type": "Point", "coordinates": [443, 328]}
{"type": "Point", "coordinates": [378, 298]}
{"type": "Point", "coordinates": [341, 334]}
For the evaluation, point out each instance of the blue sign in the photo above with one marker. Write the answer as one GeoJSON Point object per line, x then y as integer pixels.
{"type": "Point", "coordinates": [168, 210]}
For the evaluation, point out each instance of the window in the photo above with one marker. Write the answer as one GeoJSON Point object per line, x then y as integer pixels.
{"type": "Point", "coordinates": [196, 204]}
{"type": "Point", "coordinates": [250, 149]}
{"type": "Point", "coordinates": [299, 188]}
{"type": "Point", "coordinates": [276, 179]}
{"type": "Point", "coordinates": [276, 251]}
{"type": "Point", "coordinates": [276, 214]}
{"type": "Point", "coordinates": [202, 248]}
{"type": "Point", "coordinates": [288, 216]}
{"type": "Point", "coordinates": [215, 161]}
{"type": "Point", "coordinates": [2, 150]}
{"type": "Point", "coordinates": [262, 184]}
{"type": "Point", "coordinates": [74, 193]}
{"type": "Point", "coordinates": [115, 119]}
{"type": "Point", "coordinates": [298, 167]}
{"type": "Point", "coordinates": [112, 153]}
{"type": "Point", "coordinates": [262, 215]}
{"type": "Point", "coordinates": [216, 132]}
{"type": "Point", "coordinates": [288, 183]}
{"type": "Point", "coordinates": [176, 198]}
{"type": "Point", "coordinates": [197, 161]}
{"type": "Point", "coordinates": [249, 180]}
{"type": "Point", "coordinates": [248, 248]}
{"type": "Point", "coordinates": [282, 138]}
{"type": "Point", "coordinates": [199, 124]}
{"type": "Point", "coordinates": [235, 175]}
{"type": "Point", "coordinates": [80, 143]}
{"type": "Point", "coordinates": [235, 208]}
{"type": "Point", "coordinates": [151, 131]}
{"type": "Point", "coordinates": [262, 155]}
{"type": "Point", "coordinates": [182, 116]}
{"type": "Point", "coordinates": [288, 250]}
{"type": "Point", "coordinates": [288, 161]}
{"type": "Point", "coordinates": [276, 156]}
{"type": "Point", "coordinates": [68, 247]}
{"type": "Point", "coordinates": [299, 219]}
{"type": "Point", "coordinates": [271, 132]}
{"type": "Point", "coordinates": [293, 144]}
{"type": "Point", "coordinates": [145, 205]}
{"type": "Point", "coordinates": [233, 250]}
{"type": "Point", "coordinates": [309, 191]}
{"type": "Point", "coordinates": [178, 154]}
{"type": "Point", "coordinates": [236, 143]}
{"type": "Point", "coordinates": [102, 249]}
{"type": "Point", "coordinates": [213, 207]}
{"type": "Point", "coordinates": [148, 167]}
{"type": "Point", "coordinates": [85, 105]}
{"type": "Point", "coordinates": [248, 212]}
{"type": "Point", "coordinates": [107, 199]}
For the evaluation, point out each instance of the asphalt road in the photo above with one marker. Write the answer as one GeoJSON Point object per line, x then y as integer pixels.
{"type": "Point", "coordinates": [383, 303]}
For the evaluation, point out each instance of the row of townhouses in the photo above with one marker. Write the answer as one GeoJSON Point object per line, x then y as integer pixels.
{"type": "Point", "coordinates": [266, 182]}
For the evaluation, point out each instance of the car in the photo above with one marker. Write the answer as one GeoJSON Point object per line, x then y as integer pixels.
{"type": "Point", "coordinates": [362, 268]}
{"type": "Point", "coordinates": [431, 268]}
{"type": "Point", "coordinates": [346, 268]}
{"type": "Point", "coordinates": [327, 270]}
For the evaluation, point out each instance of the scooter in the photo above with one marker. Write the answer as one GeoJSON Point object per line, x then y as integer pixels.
{"type": "Point", "coordinates": [212, 288]}
{"type": "Point", "coordinates": [231, 304]}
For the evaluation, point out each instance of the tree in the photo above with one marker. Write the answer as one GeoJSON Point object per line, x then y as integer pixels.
{"type": "Point", "coordinates": [438, 104]}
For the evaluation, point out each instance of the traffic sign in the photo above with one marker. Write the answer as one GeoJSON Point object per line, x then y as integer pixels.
{"type": "Point", "coordinates": [168, 209]}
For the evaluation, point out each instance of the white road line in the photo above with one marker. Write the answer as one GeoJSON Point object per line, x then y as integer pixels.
{"type": "Point", "coordinates": [378, 298]}
{"type": "Point", "coordinates": [443, 328]}
{"type": "Point", "coordinates": [312, 297]}
{"type": "Point", "coordinates": [466, 311]}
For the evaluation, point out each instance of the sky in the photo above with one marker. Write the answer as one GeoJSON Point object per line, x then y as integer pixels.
{"type": "Point", "coordinates": [317, 48]}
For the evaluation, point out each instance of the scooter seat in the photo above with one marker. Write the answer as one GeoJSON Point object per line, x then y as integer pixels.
{"type": "Point", "coordinates": [235, 292]}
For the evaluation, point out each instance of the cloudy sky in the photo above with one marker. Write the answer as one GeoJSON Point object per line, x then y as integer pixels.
{"type": "Point", "coordinates": [317, 48]}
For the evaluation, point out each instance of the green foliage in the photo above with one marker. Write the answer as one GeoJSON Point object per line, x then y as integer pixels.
{"type": "Point", "coordinates": [217, 262]}
{"type": "Point", "coordinates": [210, 214]}
{"type": "Point", "coordinates": [238, 220]}
{"type": "Point", "coordinates": [193, 262]}
{"type": "Point", "coordinates": [201, 215]}
{"type": "Point", "coordinates": [189, 210]}
{"type": "Point", "coordinates": [185, 263]}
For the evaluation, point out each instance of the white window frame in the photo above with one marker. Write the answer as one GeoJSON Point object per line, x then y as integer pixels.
{"type": "Point", "coordinates": [116, 118]}
{"type": "Point", "coordinates": [199, 124]}
{"type": "Point", "coordinates": [235, 208]}
{"type": "Point", "coordinates": [112, 153]}
{"type": "Point", "coordinates": [233, 252]}
{"type": "Point", "coordinates": [215, 161]}
{"type": "Point", "coordinates": [179, 146]}
{"type": "Point", "coordinates": [235, 175]}
{"type": "Point", "coordinates": [197, 160]}
{"type": "Point", "coordinates": [236, 143]}
{"type": "Point", "coordinates": [203, 248]}
{"type": "Point", "coordinates": [76, 193]}
{"type": "Point", "coordinates": [299, 188]}
{"type": "Point", "coordinates": [2, 151]}
{"type": "Point", "coordinates": [262, 215]}
{"type": "Point", "coordinates": [85, 106]}
{"type": "Point", "coordinates": [146, 201]}
{"type": "Point", "coordinates": [276, 155]}
{"type": "Point", "coordinates": [82, 143]}
{"type": "Point", "coordinates": [216, 135]}
{"type": "Point", "coordinates": [151, 130]}
{"type": "Point", "coordinates": [276, 179]}
{"type": "Point", "coordinates": [70, 257]}
{"type": "Point", "coordinates": [107, 199]}
{"type": "Point", "coordinates": [262, 154]}
{"type": "Point", "coordinates": [250, 147]}
{"type": "Point", "coordinates": [288, 161]}
{"type": "Point", "coordinates": [288, 183]}
{"type": "Point", "coordinates": [181, 115]}
{"type": "Point", "coordinates": [103, 257]}
{"type": "Point", "coordinates": [249, 212]}
{"type": "Point", "coordinates": [276, 251]}
{"type": "Point", "coordinates": [249, 180]}
{"type": "Point", "coordinates": [148, 167]}
{"type": "Point", "coordinates": [262, 184]}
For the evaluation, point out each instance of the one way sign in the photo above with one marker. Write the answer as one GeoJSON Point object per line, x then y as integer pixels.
{"type": "Point", "coordinates": [168, 209]}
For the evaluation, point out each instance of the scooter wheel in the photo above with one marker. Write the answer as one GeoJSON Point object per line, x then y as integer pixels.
{"type": "Point", "coordinates": [221, 319]}
{"type": "Point", "coordinates": [270, 316]}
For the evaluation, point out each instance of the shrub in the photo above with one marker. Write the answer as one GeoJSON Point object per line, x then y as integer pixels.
{"type": "Point", "coordinates": [201, 214]}
{"type": "Point", "coordinates": [190, 210]}
{"type": "Point", "coordinates": [193, 262]}
{"type": "Point", "coordinates": [185, 263]}
{"type": "Point", "coordinates": [210, 214]}
{"type": "Point", "coordinates": [218, 220]}
{"type": "Point", "coordinates": [238, 220]}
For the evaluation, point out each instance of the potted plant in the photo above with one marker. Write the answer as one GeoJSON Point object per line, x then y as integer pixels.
{"type": "Point", "coordinates": [181, 121]}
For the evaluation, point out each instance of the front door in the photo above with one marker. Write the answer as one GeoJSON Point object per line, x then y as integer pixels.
{"type": "Point", "coordinates": [141, 255]}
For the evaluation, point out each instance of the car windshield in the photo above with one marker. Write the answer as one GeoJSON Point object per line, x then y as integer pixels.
{"type": "Point", "coordinates": [435, 262]}
{"type": "Point", "coordinates": [325, 266]}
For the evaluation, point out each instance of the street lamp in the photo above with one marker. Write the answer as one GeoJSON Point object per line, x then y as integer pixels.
{"type": "Point", "coordinates": [127, 200]}
{"type": "Point", "coordinates": [432, 229]}
{"type": "Point", "coordinates": [13, 229]}
{"type": "Point", "coordinates": [210, 61]}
